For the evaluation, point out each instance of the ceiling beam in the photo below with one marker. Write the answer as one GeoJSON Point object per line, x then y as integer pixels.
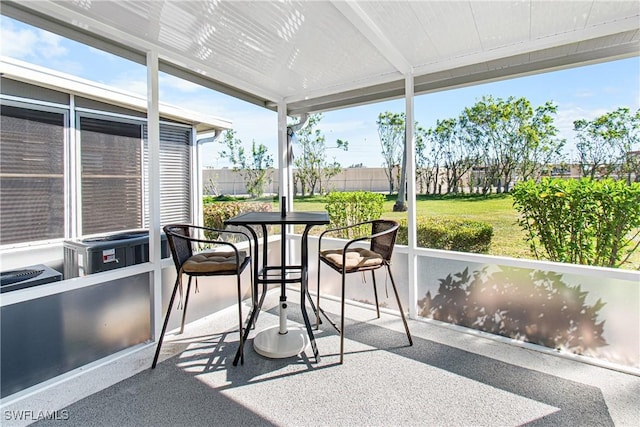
{"type": "Point", "coordinates": [438, 80]}
{"type": "Point", "coordinates": [365, 25]}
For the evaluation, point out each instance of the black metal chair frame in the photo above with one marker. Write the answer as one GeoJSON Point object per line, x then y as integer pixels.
{"type": "Point", "coordinates": [380, 229]}
{"type": "Point", "coordinates": [183, 233]}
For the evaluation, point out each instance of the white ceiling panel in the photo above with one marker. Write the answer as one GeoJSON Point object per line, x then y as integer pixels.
{"type": "Point", "coordinates": [450, 37]}
{"type": "Point", "coordinates": [502, 23]}
{"type": "Point", "coordinates": [564, 16]}
{"type": "Point", "coordinates": [324, 54]}
{"type": "Point", "coordinates": [603, 12]}
{"type": "Point", "coordinates": [403, 27]}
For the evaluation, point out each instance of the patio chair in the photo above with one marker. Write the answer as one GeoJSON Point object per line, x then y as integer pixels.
{"type": "Point", "coordinates": [351, 259]}
{"type": "Point", "coordinates": [183, 240]}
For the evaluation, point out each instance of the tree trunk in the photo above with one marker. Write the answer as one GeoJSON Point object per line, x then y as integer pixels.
{"type": "Point", "coordinates": [401, 204]}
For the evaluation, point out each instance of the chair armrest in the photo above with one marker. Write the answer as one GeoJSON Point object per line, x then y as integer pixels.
{"type": "Point", "coordinates": [358, 239]}
{"type": "Point", "coordinates": [369, 237]}
{"type": "Point", "coordinates": [342, 228]}
{"type": "Point", "coordinates": [193, 239]}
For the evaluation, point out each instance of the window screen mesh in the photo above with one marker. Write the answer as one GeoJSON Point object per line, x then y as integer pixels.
{"type": "Point", "coordinates": [31, 168]}
{"type": "Point", "coordinates": [175, 174]}
{"type": "Point", "coordinates": [114, 194]}
{"type": "Point", "coordinates": [111, 175]}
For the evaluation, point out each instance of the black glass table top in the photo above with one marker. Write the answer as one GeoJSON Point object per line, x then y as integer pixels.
{"type": "Point", "coordinates": [306, 218]}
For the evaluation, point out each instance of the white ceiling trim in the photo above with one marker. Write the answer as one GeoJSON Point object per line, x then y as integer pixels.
{"type": "Point", "coordinates": [363, 23]}
{"type": "Point", "coordinates": [534, 47]}
{"type": "Point", "coordinates": [29, 73]}
{"type": "Point", "coordinates": [345, 87]}
{"type": "Point", "coordinates": [72, 19]}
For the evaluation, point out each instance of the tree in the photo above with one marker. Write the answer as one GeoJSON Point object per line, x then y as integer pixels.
{"type": "Point", "coordinates": [455, 149]}
{"type": "Point", "coordinates": [510, 134]}
{"type": "Point", "coordinates": [606, 144]}
{"type": "Point", "coordinates": [391, 133]}
{"type": "Point", "coordinates": [313, 169]}
{"type": "Point", "coordinates": [427, 161]}
{"type": "Point", "coordinates": [543, 148]}
{"type": "Point", "coordinates": [254, 169]}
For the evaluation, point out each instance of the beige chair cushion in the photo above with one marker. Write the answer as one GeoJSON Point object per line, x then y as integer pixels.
{"type": "Point", "coordinates": [212, 262]}
{"type": "Point", "coordinates": [355, 258]}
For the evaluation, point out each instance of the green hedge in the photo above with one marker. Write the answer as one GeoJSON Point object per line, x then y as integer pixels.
{"type": "Point", "coordinates": [215, 213]}
{"type": "Point", "coordinates": [347, 208]}
{"type": "Point", "coordinates": [449, 233]}
{"type": "Point", "coordinates": [580, 221]}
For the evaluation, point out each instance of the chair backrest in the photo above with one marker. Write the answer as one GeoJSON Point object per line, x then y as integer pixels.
{"type": "Point", "coordinates": [178, 237]}
{"type": "Point", "coordinates": [383, 245]}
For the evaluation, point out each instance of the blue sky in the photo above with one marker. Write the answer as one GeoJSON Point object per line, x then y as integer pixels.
{"type": "Point", "coordinates": [584, 92]}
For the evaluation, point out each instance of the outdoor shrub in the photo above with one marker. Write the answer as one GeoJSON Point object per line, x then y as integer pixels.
{"type": "Point", "coordinates": [580, 221]}
{"type": "Point", "coordinates": [353, 207]}
{"type": "Point", "coordinates": [217, 212]}
{"type": "Point", "coordinates": [221, 198]}
{"type": "Point", "coordinates": [452, 234]}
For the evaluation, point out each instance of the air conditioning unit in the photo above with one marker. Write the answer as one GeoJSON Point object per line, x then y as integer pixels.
{"type": "Point", "coordinates": [27, 277]}
{"type": "Point", "coordinates": [108, 252]}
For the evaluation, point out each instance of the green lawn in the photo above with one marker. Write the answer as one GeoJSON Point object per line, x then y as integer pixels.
{"type": "Point", "coordinates": [497, 210]}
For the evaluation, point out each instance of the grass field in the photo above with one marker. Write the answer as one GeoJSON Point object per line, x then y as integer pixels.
{"type": "Point", "coordinates": [497, 210]}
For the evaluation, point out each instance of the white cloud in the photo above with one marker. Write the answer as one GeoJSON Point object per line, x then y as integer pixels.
{"type": "Point", "coordinates": [17, 43]}
{"type": "Point", "coordinates": [50, 45]}
{"type": "Point", "coordinates": [205, 103]}
{"type": "Point", "coordinates": [37, 46]}
{"type": "Point", "coordinates": [129, 82]}
{"type": "Point", "coordinates": [24, 43]}
{"type": "Point", "coordinates": [584, 93]}
{"type": "Point", "coordinates": [179, 84]}
{"type": "Point", "coordinates": [565, 118]}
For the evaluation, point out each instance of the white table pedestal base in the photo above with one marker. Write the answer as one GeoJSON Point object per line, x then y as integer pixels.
{"type": "Point", "coordinates": [271, 343]}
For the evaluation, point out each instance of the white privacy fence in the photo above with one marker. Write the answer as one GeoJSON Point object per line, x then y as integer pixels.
{"type": "Point", "coordinates": [229, 182]}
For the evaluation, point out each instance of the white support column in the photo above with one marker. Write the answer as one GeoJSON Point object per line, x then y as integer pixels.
{"type": "Point", "coordinates": [153, 127]}
{"type": "Point", "coordinates": [284, 169]}
{"type": "Point", "coordinates": [283, 152]}
{"type": "Point", "coordinates": [73, 179]}
{"type": "Point", "coordinates": [411, 197]}
{"type": "Point", "coordinates": [197, 184]}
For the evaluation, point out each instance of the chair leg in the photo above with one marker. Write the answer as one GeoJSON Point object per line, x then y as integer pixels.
{"type": "Point", "coordinates": [342, 318]}
{"type": "Point", "coordinates": [375, 292]}
{"type": "Point", "coordinates": [318, 295]}
{"type": "Point", "coordinates": [404, 320]}
{"type": "Point", "coordinates": [166, 322]}
{"type": "Point", "coordinates": [259, 304]}
{"type": "Point", "coordinates": [186, 301]}
{"type": "Point", "coordinates": [240, 320]}
{"type": "Point", "coordinates": [254, 291]}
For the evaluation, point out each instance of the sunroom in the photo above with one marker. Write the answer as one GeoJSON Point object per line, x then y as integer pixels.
{"type": "Point", "coordinates": [304, 57]}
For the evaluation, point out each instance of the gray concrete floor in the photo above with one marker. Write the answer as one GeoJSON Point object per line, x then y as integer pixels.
{"type": "Point", "coordinates": [446, 378]}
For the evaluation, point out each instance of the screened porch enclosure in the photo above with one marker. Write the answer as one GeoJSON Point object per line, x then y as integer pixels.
{"type": "Point", "coordinates": [75, 208]}
{"type": "Point", "coordinates": [305, 57]}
